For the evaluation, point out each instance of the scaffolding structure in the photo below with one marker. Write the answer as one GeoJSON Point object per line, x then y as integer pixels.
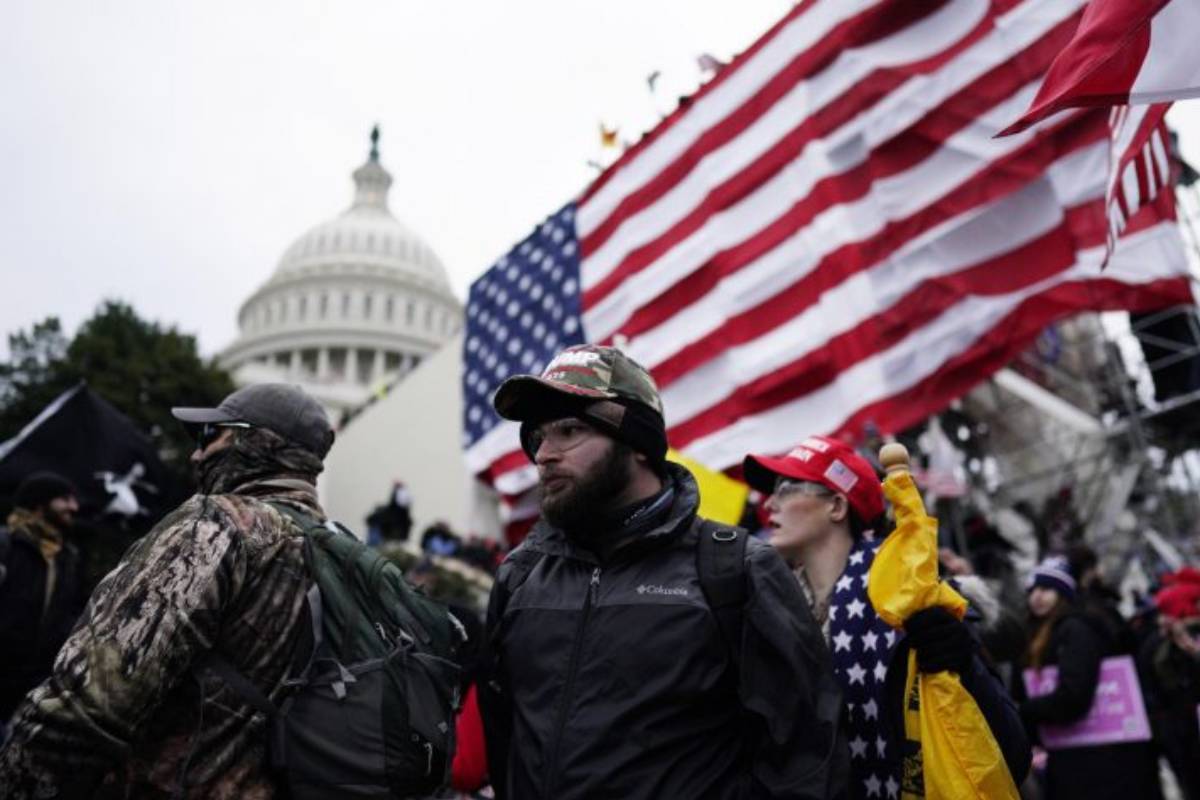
{"type": "Point", "coordinates": [1094, 434]}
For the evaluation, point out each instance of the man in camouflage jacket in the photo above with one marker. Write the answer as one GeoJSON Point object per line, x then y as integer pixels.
{"type": "Point", "coordinates": [127, 712]}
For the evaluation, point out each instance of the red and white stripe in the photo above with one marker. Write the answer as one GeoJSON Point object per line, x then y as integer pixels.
{"type": "Point", "coordinates": [1140, 166]}
{"type": "Point", "coordinates": [1125, 52]}
{"type": "Point", "coordinates": [828, 235]}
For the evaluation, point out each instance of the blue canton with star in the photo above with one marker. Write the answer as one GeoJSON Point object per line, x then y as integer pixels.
{"type": "Point", "coordinates": [520, 313]}
{"type": "Point", "coordinates": [862, 644]}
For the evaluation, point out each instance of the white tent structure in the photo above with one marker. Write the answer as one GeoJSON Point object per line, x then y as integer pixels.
{"type": "Point", "coordinates": [412, 434]}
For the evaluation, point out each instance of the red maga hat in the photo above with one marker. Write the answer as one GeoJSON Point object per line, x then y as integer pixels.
{"type": "Point", "coordinates": [826, 461]}
{"type": "Point", "coordinates": [1180, 598]}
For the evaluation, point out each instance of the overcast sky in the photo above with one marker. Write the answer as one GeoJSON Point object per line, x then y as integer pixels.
{"type": "Point", "coordinates": [166, 153]}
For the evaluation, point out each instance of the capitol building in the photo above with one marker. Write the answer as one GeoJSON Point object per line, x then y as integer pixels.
{"type": "Point", "coordinates": [354, 305]}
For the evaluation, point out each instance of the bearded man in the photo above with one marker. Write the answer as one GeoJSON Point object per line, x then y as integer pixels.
{"type": "Point", "coordinates": [609, 674]}
{"type": "Point", "coordinates": [129, 710]}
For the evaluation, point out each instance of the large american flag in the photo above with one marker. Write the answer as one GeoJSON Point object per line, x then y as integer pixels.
{"type": "Point", "coordinates": [827, 236]}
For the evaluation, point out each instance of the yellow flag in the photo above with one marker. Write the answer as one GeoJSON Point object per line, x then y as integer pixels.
{"type": "Point", "coordinates": [956, 757]}
{"type": "Point", "coordinates": [722, 499]}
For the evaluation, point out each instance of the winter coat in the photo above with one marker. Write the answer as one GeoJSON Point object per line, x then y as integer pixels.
{"type": "Point", "coordinates": [1078, 642]}
{"type": "Point", "coordinates": [124, 715]}
{"type": "Point", "coordinates": [32, 630]}
{"type": "Point", "coordinates": [609, 677]}
{"type": "Point", "coordinates": [1171, 686]}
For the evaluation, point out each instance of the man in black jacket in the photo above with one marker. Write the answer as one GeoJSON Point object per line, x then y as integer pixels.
{"type": "Point", "coordinates": [41, 590]}
{"type": "Point", "coordinates": [608, 673]}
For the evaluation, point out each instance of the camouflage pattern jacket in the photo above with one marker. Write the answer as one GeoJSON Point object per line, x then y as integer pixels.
{"type": "Point", "coordinates": [123, 715]}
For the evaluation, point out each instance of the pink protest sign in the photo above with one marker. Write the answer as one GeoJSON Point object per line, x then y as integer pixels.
{"type": "Point", "coordinates": [1117, 714]}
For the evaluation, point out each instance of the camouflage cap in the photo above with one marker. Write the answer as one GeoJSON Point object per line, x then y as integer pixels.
{"type": "Point", "coordinates": [582, 371]}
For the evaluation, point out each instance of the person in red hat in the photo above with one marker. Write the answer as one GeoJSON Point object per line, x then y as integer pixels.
{"type": "Point", "coordinates": [825, 516]}
{"type": "Point", "coordinates": [1169, 662]}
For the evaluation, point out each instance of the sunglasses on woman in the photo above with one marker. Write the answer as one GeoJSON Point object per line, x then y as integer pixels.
{"type": "Point", "coordinates": [786, 487]}
{"type": "Point", "coordinates": [207, 433]}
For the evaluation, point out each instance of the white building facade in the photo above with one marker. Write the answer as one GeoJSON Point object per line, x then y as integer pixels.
{"type": "Point", "coordinates": [354, 304]}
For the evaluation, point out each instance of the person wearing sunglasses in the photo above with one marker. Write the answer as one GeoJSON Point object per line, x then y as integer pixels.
{"type": "Point", "coordinates": [126, 708]}
{"type": "Point", "coordinates": [826, 518]}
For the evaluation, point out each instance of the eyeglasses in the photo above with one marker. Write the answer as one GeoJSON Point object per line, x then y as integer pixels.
{"type": "Point", "coordinates": [561, 435]}
{"type": "Point", "coordinates": [786, 487]}
{"type": "Point", "coordinates": [209, 431]}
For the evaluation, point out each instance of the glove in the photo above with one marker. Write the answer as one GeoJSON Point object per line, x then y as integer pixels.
{"type": "Point", "coordinates": [942, 641]}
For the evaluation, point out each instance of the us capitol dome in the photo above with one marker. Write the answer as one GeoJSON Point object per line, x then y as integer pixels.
{"type": "Point", "coordinates": [354, 304]}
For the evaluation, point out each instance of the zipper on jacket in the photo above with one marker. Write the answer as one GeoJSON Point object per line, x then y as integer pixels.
{"type": "Point", "coordinates": [564, 703]}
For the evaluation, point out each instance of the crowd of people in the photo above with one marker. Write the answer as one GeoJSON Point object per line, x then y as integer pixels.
{"type": "Point", "coordinates": [629, 647]}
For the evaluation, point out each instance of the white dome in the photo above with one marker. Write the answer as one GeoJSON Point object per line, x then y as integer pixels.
{"type": "Point", "coordinates": [363, 236]}
{"type": "Point", "coordinates": [355, 300]}
{"type": "Point", "coordinates": [366, 235]}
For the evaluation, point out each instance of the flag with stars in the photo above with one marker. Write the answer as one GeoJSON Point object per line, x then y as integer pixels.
{"type": "Point", "coordinates": [826, 238]}
{"type": "Point", "coordinates": [520, 313]}
{"type": "Point", "coordinates": [862, 645]}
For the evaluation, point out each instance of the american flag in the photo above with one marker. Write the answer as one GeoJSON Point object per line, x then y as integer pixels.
{"type": "Point", "coordinates": [522, 311]}
{"type": "Point", "coordinates": [1139, 167]}
{"type": "Point", "coordinates": [861, 646]}
{"type": "Point", "coordinates": [827, 235]}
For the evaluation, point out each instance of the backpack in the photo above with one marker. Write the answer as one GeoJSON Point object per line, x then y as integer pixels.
{"type": "Point", "coordinates": [370, 708]}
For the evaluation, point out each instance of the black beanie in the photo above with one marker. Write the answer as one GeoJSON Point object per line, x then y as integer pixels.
{"type": "Point", "coordinates": [37, 490]}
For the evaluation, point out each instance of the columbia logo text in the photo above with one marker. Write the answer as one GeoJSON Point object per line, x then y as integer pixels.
{"type": "Point", "coordinates": [649, 588]}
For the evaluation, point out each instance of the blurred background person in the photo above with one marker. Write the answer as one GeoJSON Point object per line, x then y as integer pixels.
{"type": "Point", "coordinates": [1096, 598]}
{"type": "Point", "coordinates": [41, 585]}
{"type": "Point", "coordinates": [392, 521]}
{"type": "Point", "coordinates": [439, 540]}
{"type": "Point", "coordinates": [1001, 632]}
{"type": "Point", "coordinates": [1063, 635]}
{"type": "Point", "coordinates": [1169, 662]}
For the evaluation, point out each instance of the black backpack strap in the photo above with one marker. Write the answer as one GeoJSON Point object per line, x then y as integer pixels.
{"type": "Point", "coordinates": [237, 681]}
{"type": "Point", "coordinates": [306, 650]}
{"type": "Point", "coordinates": [721, 563]}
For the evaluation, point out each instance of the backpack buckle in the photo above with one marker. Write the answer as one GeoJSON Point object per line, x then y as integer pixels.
{"type": "Point", "coordinates": [724, 536]}
{"type": "Point", "coordinates": [339, 683]}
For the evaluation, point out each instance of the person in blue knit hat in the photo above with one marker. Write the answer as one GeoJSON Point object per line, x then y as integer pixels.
{"type": "Point", "coordinates": [1064, 636]}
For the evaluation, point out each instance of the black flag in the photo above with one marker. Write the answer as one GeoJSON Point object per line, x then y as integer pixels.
{"type": "Point", "coordinates": [113, 464]}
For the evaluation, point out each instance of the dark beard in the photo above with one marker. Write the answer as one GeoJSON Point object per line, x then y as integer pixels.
{"type": "Point", "coordinates": [584, 504]}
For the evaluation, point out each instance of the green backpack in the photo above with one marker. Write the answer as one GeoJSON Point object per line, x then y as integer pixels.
{"type": "Point", "coordinates": [371, 712]}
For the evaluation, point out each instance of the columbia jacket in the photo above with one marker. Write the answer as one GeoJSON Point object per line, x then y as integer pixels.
{"type": "Point", "coordinates": [610, 677]}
